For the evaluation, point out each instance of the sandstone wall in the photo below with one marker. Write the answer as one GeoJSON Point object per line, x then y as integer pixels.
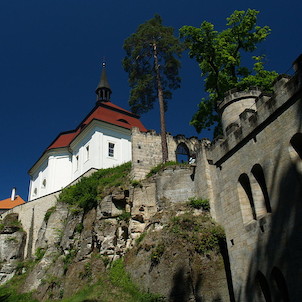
{"type": "Point", "coordinates": [263, 241]}
{"type": "Point", "coordinates": [147, 150]}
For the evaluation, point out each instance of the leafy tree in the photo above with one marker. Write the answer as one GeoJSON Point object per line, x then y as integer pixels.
{"type": "Point", "coordinates": [219, 57]}
{"type": "Point", "coordinates": [152, 63]}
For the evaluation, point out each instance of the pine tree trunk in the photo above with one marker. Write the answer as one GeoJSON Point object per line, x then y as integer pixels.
{"type": "Point", "coordinates": [161, 107]}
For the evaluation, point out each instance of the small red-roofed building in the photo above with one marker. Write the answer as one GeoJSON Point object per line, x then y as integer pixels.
{"type": "Point", "coordinates": [9, 203]}
{"type": "Point", "coordinates": [102, 140]}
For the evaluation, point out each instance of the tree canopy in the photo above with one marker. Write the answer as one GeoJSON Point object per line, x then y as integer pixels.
{"type": "Point", "coordinates": [219, 55]}
{"type": "Point", "coordinates": [152, 63]}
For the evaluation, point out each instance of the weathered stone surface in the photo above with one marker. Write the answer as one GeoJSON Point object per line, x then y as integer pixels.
{"type": "Point", "coordinates": [12, 243]}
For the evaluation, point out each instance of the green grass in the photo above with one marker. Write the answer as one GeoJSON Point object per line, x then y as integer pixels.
{"type": "Point", "coordinates": [89, 190]}
{"type": "Point", "coordinates": [199, 203]}
{"type": "Point", "coordinates": [48, 213]}
{"type": "Point", "coordinates": [200, 231]}
{"type": "Point", "coordinates": [9, 291]}
{"type": "Point", "coordinates": [161, 166]}
{"type": "Point", "coordinates": [113, 286]}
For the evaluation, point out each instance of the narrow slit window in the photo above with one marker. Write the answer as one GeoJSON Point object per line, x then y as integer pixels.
{"type": "Point", "coordinates": [87, 152]}
{"type": "Point", "coordinates": [77, 162]}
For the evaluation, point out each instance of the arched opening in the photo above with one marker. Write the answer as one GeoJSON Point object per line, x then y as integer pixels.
{"type": "Point", "coordinates": [279, 285]}
{"type": "Point", "coordinates": [246, 199]}
{"type": "Point", "coordinates": [262, 288]}
{"type": "Point", "coordinates": [296, 142]}
{"type": "Point", "coordinates": [295, 151]}
{"type": "Point", "coordinates": [182, 153]}
{"type": "Point", "coordinates": [263, 204]}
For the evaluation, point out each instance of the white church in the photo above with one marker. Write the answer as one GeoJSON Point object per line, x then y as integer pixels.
{"type": "Point", "coordinates": [102, 140]}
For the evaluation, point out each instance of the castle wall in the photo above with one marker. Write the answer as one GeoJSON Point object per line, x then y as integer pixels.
{"type": "Point", "coordinates": [147, 150]}
{"type": "Point", "coordinates": [256, 188]}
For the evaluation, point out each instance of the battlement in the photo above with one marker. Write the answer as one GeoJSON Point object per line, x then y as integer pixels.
{"type": "Point", "coordinates": [253, 119]}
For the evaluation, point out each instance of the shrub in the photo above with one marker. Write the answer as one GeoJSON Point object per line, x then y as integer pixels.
{"type": "Point", "coordinates": [199, 203]}
{"type": "Point", "coordinates": [136, 183]}
{"type": "Point", "coordinates": [39, 254]}
{"type": "Point", "coordinates": [48, 213]}
{"type": "Point", "coordinates": [79, 227]}
{"type": "Point", "coordinates": [200, 231]}
{"type": "Point", "coordinates": [124, 216]}
{"type": "Point", "coordinates": [157, 253]}
{"type": "Point", "coordinates": [160, 167]}
{"type": "Point", "coordinates": [87, 273]}
{"type": "Point", "coordinates": [141, 237]}
{"type": "Point", "coordinates": [88, 190]}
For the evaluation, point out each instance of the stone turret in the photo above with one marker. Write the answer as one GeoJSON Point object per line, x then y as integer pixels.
{"type": "Point", "coordinates": [234, 103]}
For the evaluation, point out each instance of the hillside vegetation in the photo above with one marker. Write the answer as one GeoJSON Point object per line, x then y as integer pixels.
{"type": "Point", "coordinates": [94, 247]}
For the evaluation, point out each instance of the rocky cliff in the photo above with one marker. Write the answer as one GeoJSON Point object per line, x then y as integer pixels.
{"type": "Point", "coordinates": [168, 247]}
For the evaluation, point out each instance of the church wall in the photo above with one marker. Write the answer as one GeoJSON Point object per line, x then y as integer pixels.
{"type": "Point", "coordinates": [53, 174]}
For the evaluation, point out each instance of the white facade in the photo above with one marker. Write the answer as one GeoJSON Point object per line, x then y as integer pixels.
{"type": "Point", "coordinates": [99, 145]}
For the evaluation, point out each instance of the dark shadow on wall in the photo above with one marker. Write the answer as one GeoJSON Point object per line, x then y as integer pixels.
{"type": "Point", "coordinates": [184, 288]}
{"type": "Point", "coordinates": [226, 260]}
{"type": "Point", "coordinates": [278, 256]}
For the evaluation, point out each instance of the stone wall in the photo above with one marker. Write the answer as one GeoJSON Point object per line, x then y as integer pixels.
{"type": "Point", "coordinates": [147, 150]}
{"type": "Point", "coordinates": [255, 190]}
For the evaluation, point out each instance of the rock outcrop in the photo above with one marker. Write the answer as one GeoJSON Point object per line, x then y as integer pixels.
{"type": "Point", "coordinates": [149, 224]}
{"type": "Point", "coordinates": [12, 242]}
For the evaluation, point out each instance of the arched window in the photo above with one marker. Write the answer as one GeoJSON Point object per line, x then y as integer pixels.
{"type": "Point", "coordinates": [262, 288]}
{"type": "Point", "coordinates": [182, 153]}
{"type": "Point", "coordinates": [296, 142]}
{"type": "Point", "coordinates": [295, 151]}
{"type": "Point", "coordinates": [44, 183]}
{"type": "Point", "coordinates": [261, 196]}
{"type": "Point", "coordinates": [279, 285]}
{"type": "Point", "coordinates": [246, 199]}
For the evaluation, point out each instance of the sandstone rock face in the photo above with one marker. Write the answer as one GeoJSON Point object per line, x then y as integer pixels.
{"type": "Point", "coordinates": [12, 242]}
{"type": "Point", "coordinates": [166, 263]}
{"type": "Point", "coordinates": [74, 247]}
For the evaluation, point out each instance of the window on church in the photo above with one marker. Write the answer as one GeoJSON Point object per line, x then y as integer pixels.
{"type": "Point", "coordinates": [111, 149]}
{"type": "Point", "coordinates": [35, 191]}
{"type": "Point", "coordinates": [77, 162]}
{"type": "Point", "coordinates": [44, 183]}
{"type": "Point", "coordinates": [87, 152]}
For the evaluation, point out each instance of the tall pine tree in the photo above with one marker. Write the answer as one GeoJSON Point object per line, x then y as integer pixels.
{"type": "Point", "coordinates": [151, 61]}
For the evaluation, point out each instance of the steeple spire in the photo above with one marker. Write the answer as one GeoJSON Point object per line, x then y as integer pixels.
{"type": "Point", "coordinates": [103, 89]}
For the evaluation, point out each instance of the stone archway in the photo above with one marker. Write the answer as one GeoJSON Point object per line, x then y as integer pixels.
{"type": "Point", "coordinates": [182, 153]}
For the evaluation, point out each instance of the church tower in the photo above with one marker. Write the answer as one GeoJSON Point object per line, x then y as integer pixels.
{"type": "Point", "coordinates": [103, 90]}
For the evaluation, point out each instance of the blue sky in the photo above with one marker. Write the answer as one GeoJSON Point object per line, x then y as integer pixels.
{"type": "Point", "coordinates": [50, 63]}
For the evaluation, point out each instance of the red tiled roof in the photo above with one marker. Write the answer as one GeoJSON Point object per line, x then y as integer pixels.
{"type": "Point", "coordinates": [105, 112]}
{"type": "Point", "coordinates": [9, 204]}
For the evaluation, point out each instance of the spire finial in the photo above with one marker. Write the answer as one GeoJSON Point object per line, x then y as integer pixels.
{"type": "Point", "coordinates": [103, 90]}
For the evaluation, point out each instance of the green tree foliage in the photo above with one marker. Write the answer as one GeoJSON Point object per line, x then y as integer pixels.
{"type": "Point", "coordinates": [219, 55]}
{"type": "Point", "coordinates": [152, 63]}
